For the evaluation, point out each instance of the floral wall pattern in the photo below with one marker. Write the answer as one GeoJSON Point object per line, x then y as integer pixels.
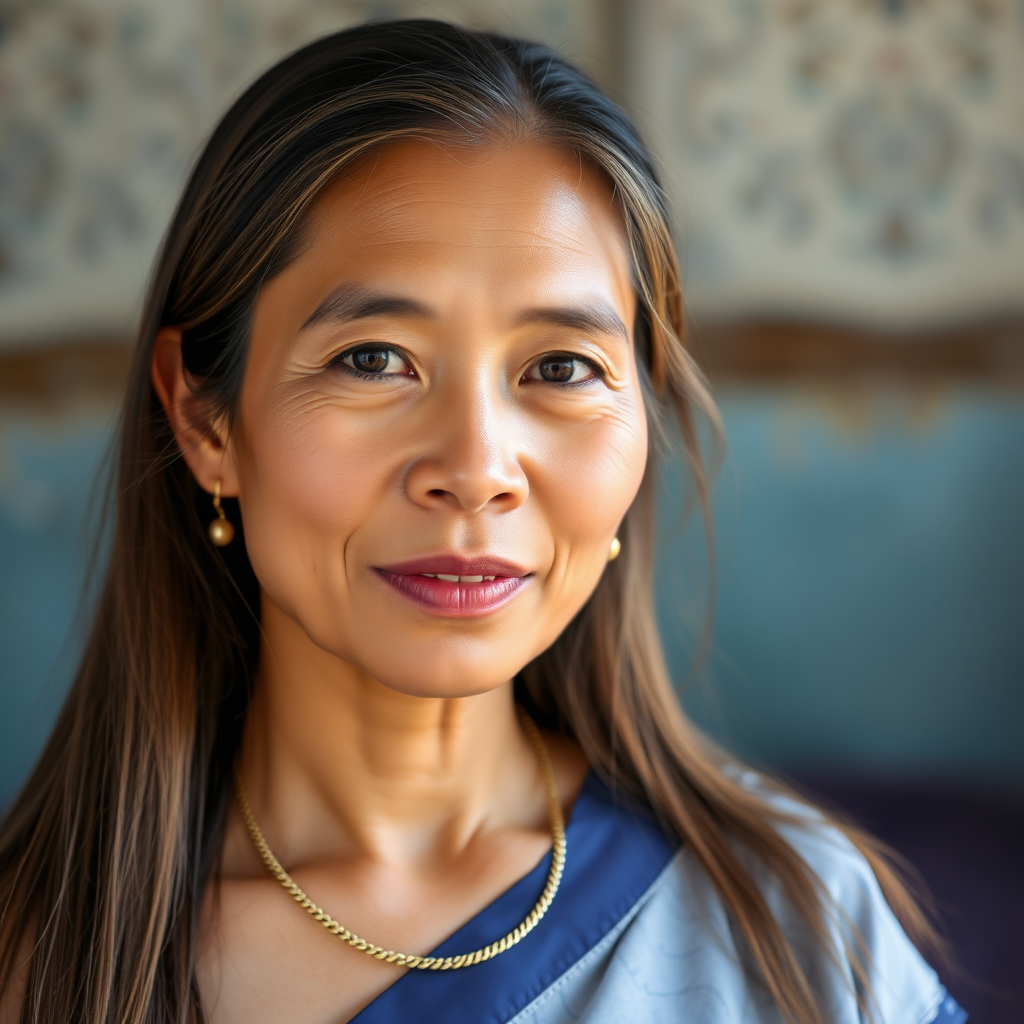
{"type": "Point", "coordinates": [853, 158]}
{"type": "Point", "coordinates": [103, 104]}
{"type": "Point", "coordinates": [828, 158]}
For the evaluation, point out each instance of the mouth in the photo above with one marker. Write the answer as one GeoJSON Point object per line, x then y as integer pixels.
{"type": "Point", "coordinates": [457, 587]}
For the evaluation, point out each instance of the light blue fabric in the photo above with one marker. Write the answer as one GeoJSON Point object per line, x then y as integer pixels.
{"type": "Point", "coordinates": [636, 933]}
{"type": "Point", "coordinates": [675, 958]}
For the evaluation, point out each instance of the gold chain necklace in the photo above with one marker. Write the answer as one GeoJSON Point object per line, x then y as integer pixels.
{"type": "Point", "coordinates": [432, 963]}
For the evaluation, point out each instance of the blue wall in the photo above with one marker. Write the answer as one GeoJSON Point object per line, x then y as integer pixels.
{"type": "Point", "coordinates": [870, 573]}
{"type": "Point", "coordinates": [48, 466]}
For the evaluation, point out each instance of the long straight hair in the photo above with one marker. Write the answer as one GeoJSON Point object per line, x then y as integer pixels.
{"type": "Point", "coordinates": [106, 854]}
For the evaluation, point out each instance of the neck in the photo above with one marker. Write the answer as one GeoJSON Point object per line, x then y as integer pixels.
{"type": "Point", "coordinates": [338, 764]}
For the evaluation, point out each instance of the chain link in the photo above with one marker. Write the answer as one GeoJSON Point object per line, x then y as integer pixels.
{"type": "Point", "coordinates": [429, 963]}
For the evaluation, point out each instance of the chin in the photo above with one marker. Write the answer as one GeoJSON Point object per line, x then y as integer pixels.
{"type": "Point", "coordinates": [440, 689]}
{"type": "Point", "coordinates": [436, 676]}
{"type": "Point", "coordinates": [459, 662]}
{"type": "Point", "coordinates": [438, 670]}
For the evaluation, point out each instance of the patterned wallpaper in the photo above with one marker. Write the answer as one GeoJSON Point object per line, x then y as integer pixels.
{"type": "Point", "coordinates": [103, 104]}
{"type": "Point", "coordinates": [853, 158]}
{"type": "Point", "coordinates": [828, 157]}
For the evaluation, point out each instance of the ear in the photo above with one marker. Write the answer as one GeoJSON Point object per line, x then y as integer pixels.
{"type": "Point", "coordinates": [204, 443]}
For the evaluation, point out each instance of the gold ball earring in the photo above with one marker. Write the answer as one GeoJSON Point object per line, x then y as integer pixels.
{"type": "Point", "coordinates": [221, 531]}
{"type": "Point", "coordinates": [613, 551]}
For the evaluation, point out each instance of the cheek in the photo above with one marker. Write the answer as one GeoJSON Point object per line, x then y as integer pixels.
{"type": "Point", "coordinates": [590, 482]}
{"type": "Point", "coordinates": [308, 479]}
{"type": "Point", "coordinates": [585, 484]}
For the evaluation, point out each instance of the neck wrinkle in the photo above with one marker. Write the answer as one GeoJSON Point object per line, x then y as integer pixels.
{"type": "Point", "coordinates": [338, 764]}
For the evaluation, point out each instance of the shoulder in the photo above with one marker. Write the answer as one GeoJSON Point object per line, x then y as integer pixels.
{"type": "Point", "coordinates": [863, 930]}
{"type": "Point", "coordinates": [677, 955]}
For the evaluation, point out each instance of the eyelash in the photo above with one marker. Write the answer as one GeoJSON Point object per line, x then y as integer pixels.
{"type": "Point", "coordinates": [599, 374]}
{"type": "Point", "coordinates": [339, 362]}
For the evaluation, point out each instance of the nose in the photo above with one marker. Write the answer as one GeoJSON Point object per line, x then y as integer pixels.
{"type": "Point", "coordinates": [471, 463]}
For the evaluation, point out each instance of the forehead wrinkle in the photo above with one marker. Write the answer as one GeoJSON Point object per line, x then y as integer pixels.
{"type": "Point", "coordinates": [392, 215]}
{"type": "Point", "coordinates": [389, 200]}
{"type": "Point", "coordinates": [547, 231]}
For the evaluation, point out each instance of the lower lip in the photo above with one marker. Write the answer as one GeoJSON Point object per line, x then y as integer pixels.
{"type": "Point", "coordinates": [455, 600]}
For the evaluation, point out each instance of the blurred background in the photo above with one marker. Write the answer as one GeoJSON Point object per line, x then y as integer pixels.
{"type": "Point", "coordinates": [848, 179]}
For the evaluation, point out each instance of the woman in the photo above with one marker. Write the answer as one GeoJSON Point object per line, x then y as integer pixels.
{"type": "Point", "coordinates": [410, 353]}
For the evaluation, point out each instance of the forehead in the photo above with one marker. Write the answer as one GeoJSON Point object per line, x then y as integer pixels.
{"type": "Point", "coordinates": [494, 215]}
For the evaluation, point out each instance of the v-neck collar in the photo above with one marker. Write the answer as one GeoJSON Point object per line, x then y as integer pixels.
{"type": "Point", "coordinates": [615, 851]}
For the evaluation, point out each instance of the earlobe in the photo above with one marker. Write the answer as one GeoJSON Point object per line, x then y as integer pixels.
{"type": "Point", "coordinates": [203, 443]}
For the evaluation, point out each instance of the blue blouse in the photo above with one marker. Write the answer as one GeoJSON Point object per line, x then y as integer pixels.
{"type": "Point", "coordinates": [637, 933]}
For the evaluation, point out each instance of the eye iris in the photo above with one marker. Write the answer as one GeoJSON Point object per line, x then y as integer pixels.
{"type": "Point", "coordinates": [558, 370]}
{"type": "Point", "coordinates": [371, 360]}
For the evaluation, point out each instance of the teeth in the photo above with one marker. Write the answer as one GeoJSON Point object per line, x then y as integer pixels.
{"type": "Point", "coordinates": [455, 579]}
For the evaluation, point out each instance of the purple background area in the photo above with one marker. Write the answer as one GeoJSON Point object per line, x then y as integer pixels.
{"type": "Point", "coordinates": [969, 848]}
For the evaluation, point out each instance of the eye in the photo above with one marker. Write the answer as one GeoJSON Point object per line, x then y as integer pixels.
{"type": "Point", "coordinates": [562, 368]}
{"type": "Point", "coordinates": [374, 361]}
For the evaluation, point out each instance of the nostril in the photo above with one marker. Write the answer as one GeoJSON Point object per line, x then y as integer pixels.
{"type": "Point", "coordinates": [437, 492]}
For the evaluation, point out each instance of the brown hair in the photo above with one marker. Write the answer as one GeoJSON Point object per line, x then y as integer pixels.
{"type": "Point", "coordinates": [106, 853]}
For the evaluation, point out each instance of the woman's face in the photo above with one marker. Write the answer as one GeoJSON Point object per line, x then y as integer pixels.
{"type": "Point", "coordinates": [443, 385]}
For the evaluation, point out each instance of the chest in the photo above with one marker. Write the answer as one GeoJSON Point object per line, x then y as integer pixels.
{"type": "Point", "coordinates": [264, 958]}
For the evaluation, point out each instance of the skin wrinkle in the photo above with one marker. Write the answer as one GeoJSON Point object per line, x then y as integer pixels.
{"type": "Point", "coordinates": [381, 751]}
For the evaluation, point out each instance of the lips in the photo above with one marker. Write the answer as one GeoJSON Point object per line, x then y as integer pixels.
{"type": "Point", "coordinates": [457, 587]}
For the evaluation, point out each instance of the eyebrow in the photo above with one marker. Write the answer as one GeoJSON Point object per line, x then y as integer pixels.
{"type": "Point", "coordinates": [593, 318]}
{"type": "Point", "coordinates": [352, 302]}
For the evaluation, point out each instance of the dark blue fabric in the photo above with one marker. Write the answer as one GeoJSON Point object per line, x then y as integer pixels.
{"type": "Point", "coordinates": [950, 1012]}
{"type": "Point", "coordinates": [614, 852]}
